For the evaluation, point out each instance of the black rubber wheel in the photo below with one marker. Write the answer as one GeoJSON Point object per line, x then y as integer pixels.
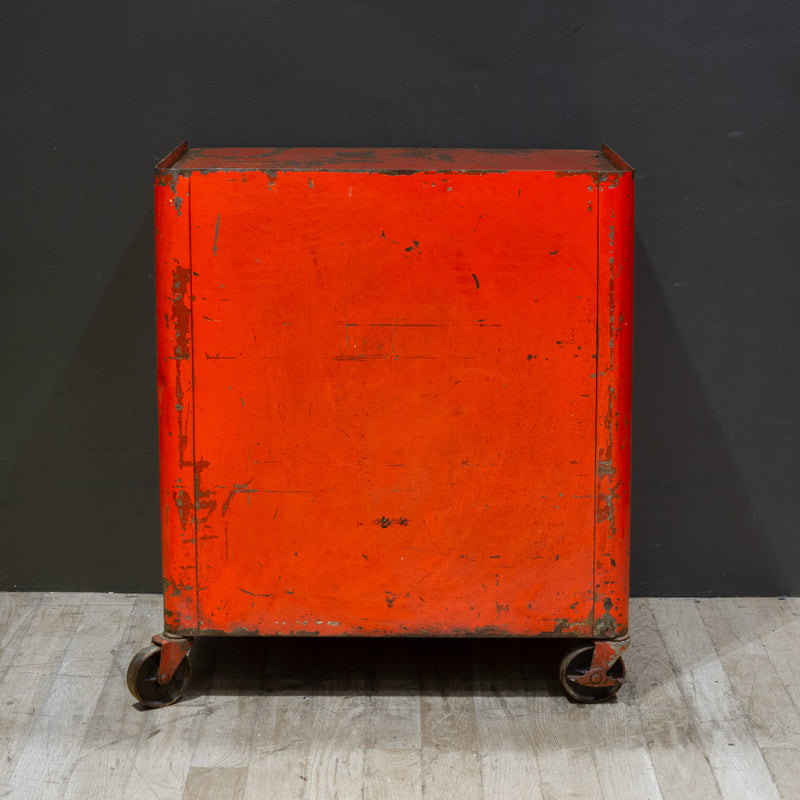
{"type": "Point", "coordinates": [576, 663]}
{"type": "Point", "coordinates": [143, 679]}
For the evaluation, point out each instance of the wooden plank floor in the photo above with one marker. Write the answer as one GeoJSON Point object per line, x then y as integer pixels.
{"type": "Point", "coordinates": [711, 710]}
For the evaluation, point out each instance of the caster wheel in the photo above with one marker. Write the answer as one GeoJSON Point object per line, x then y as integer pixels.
{"type": "Point", "coordinates": [576, 664]}
{"type": "Point", "coordinates": [143, 679]}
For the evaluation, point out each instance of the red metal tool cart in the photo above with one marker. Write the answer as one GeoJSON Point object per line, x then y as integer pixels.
{"type": "Point", "coordinates": [394, 399]}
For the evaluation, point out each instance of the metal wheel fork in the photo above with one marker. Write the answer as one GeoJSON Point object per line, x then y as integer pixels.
{"type": "Point", "coordinates": [592, 673]}
{"type": "Point", "coordinates": [174, 649]}
{"type": "Point", "coordinates": [605, 655]}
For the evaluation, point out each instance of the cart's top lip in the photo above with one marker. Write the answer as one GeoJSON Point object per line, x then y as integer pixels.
{"type": "Point", "coordinates": [392, 160]}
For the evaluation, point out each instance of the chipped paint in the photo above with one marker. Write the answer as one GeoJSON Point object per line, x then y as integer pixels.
{"type": "Point", "coordinates": [181, 323]}
{"type": "Point", "coordinates": [238, 488]}
{"type": "Point", "coordinates": [185, 505]}
{"type": "Point", "coordinates": [560, 630]}
{"type": "Point", "coordinates": [606, 625]}
{"type": "Point", "coordinates": [175, 396]}
{"type": "Point", "coordinates": [385, 522]}
{"type": "Point", "coordinates": [612, 510]}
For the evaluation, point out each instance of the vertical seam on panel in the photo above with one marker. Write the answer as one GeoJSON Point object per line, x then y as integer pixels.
{"type": "Point", "coordinates": [194, 404]}
{"type": "Point", "coordinates": [596, 397]}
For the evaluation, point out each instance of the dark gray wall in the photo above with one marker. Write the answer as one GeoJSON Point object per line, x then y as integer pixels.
{"type": "Point", "coordinates": [702, 97]}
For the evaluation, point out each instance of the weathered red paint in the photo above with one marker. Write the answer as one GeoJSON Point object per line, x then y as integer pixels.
{"type": "Point", "coordinates": [394, 391]}
{"type": "Point", "coordinates": [175, 393]}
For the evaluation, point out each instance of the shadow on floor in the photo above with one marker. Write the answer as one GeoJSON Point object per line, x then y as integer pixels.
{"type": "Point", "coordinates": [375, 667]}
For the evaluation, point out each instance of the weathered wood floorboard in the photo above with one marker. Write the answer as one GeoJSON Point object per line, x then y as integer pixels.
{"type": "Point", "coordinates": [711, 711]}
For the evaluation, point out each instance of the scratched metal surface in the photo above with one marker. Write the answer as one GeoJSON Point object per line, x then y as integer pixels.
{"type": "Point", "coordinates": [394, 160]}
{"type": "Point", "coordinates": [395, 404]}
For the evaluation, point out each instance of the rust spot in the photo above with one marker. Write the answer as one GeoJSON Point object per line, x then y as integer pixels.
{"type": "Point", "coordinates": [605, 467]}
{"type": "Point", "coordinates": [181, 318]}
{"type": "Point", "coordinates": [606, 625]}
{"type": "Point", "coordinates": [385, 522]}
{"type": "Point", "coordinates": [568, 173]}
{"type": "Point", "coordinates": [571, 627]}
{"type": "Point", "coordinates": [183, 501]}
{"type": "Point", "coordinates": [610, 179]}
{"type": "Point", "coordinates": [167, 179]}
{"type": "Point", "coordinates": [181, 311]}
{"type": "Point", "coordinates": [480, 631]}
{"type": "Point", "coordinates": [606, 471]}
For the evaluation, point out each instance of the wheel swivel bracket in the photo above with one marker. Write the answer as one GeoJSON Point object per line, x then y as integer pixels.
{"type": "Point", "coordinates": [606, 652]}
{"type": "Point", "coordinates": [173, 651]}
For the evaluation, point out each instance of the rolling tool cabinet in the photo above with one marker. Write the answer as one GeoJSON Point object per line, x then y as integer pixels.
{"type": "Point", "coordinates": [394, 400]}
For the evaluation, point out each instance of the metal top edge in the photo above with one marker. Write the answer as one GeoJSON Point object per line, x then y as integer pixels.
{"type": "Point", "coordinates": [391, 160]}
{"type": "Point", "coordinates": [172, 157]}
